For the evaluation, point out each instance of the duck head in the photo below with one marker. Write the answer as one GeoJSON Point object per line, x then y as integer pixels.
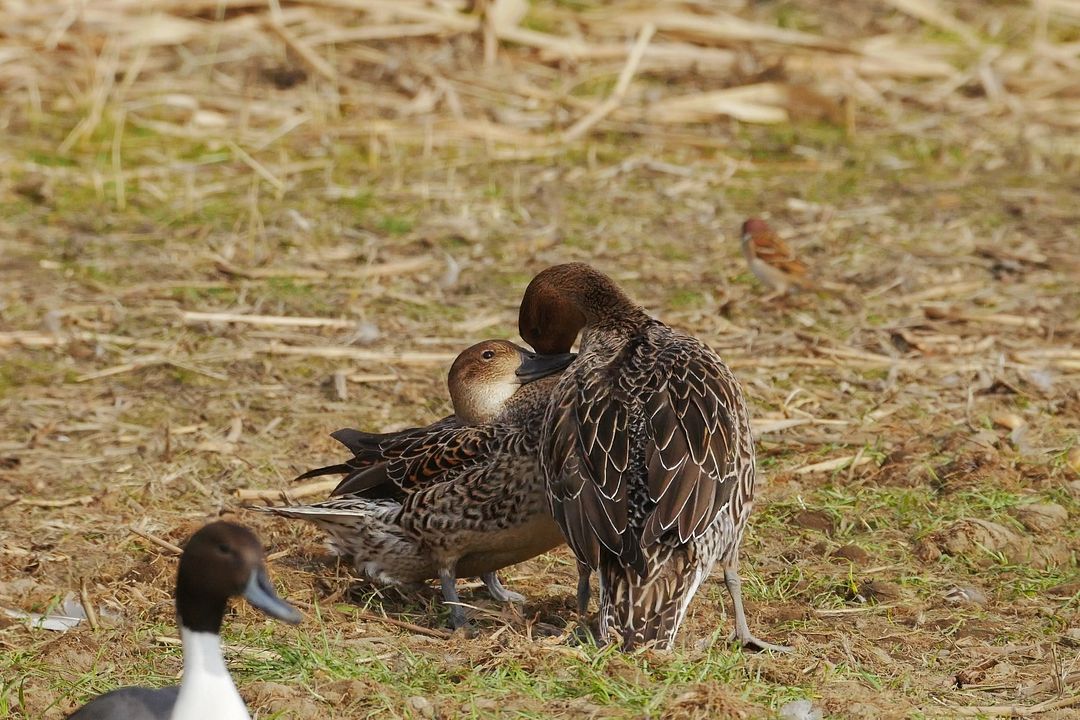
{"type": "Point", "coordinates": [220, 561]}
{"type": "Point", "coordinates": [486, 375]}
{"type": "Point", "coordinates": [563, 299]}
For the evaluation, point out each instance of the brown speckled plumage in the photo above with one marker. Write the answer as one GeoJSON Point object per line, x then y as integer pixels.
{"type": "Point", "coordinates": [451, 498]}
{"type": "Point", "coordinates": [647, 454]}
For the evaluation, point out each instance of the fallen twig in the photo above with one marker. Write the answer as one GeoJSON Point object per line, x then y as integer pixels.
{"type": "Point", "coordinates": [353, 353]}
{"type": "Point", "coordinates": [834, 464]}
{"type": "Point", "coordinates": [88, 605]}
{"type": "Point", "coordinates": [411, 627]}
{"type": "Point", "coordinates": [320, 487]}
{"type": "Point", "coordinates": [397, 267]}
{"type": "Point", "coordinates": [192, 317]}
{"type": "Point", "coordinates": [66, 502]}
{"type": "Point", "coordinates": [160, 542]}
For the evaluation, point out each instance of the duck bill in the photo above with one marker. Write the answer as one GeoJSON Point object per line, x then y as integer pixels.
{"type": "Point", "coordinates": [260, 593]}
{"type": "Point", "coordinates": [534, 366]}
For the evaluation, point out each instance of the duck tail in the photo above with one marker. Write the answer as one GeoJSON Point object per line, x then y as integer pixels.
{"type": "Point", "coordinates": [648, 609]}
{"type": "Point", "coordinates": [367, 533]}
{"type": "Point", "coordinates": [339, 469]}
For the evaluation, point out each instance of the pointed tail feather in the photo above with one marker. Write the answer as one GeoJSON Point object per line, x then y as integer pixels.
{"type": "Point", "coordinates": [359, 442]}
{"type": "Point", "coordinates": [649, 609]}
{"type": "Point", "coordinates": [339, 469]}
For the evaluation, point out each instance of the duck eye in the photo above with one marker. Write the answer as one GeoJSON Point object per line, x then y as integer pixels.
{"type": "Point", "coordinates": [223, 549]}
{"type": "Point", "coordinates": [487, 354]}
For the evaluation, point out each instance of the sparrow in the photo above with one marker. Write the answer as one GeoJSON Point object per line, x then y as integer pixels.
{"type": "Point", "coordinates": [771, 260]}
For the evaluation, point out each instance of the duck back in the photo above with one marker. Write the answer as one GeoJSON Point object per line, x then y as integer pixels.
{"type": "Point", "coordinates": [648, 458]}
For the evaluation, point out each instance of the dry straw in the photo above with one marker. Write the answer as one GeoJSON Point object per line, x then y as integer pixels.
{"type": "Point", "coordinates": [359, 82]}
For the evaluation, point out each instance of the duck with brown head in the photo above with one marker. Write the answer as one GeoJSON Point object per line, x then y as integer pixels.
{"type": "Point", "coordinates": [646, 453]}
{"type": "Point", "coordinates": [462, 496]}
{"type": "Point", "coordinates": [220, 561]}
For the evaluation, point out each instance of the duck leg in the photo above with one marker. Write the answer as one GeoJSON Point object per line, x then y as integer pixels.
{"type": "Point", "coordinates": [498, 591]}
{"type": "Point", "coordinates": [448, 583]}
{"type": "Point", "coordinates": [742, 630]}
{"type": "Point", "coordinates": [583, 591]}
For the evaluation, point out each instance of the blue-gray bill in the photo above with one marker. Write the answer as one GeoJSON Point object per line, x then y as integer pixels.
{"type": "Point", "coordinates": [260, 593]}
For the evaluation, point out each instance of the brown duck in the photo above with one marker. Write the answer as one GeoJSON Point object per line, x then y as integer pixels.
{"type": "Point", "coordinates": [646, 452]}
{"type": "Point", "coordinates": [460, 497]}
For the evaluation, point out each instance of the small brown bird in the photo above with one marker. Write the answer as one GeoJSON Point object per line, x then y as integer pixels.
{"type": "Point", "coordinates": [771, 260]}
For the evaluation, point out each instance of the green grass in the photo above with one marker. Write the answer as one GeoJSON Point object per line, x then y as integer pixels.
{"type": "Point", "coordinates": [630, 686]}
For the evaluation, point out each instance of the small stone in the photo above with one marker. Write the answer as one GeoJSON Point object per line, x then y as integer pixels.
{"type": "Point", "coordinates": [852, 553]}
{"type": "Point", "coordinates": [863, 711]}
{"type": "Point", "coordinates": [927, 550]}
{"type": "Point", "coordinates": [1065, 590]}
{"type": "Point", "coordinates": [1042, 517]}
{"type": "Point", "coordinates": [788, 613]}
{"type": "Point", "coordinates": [880, 591]}
{"type": "Point", "coordinates": [813, 520]}
{"type": "Point", "coordinates": [800, 710]}
{"type": "Point", "coordinates": [422, 706]}
{"type": "Point", "coordinates": [1010, 421]}
{"type": "Point", "coordinates": [982, 542]}
{"type": "Point", "coordinates": [965, 595]}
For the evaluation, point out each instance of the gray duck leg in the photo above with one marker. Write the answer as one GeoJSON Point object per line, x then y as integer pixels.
{"type": "Point", "coordinates": [448, 583]}
{"type": "Point", "coordinates": [742, 630]}
{"type": "Point", "coordinates": [583, 591]}
{"type": "Point", "coordinates": [498, 591]}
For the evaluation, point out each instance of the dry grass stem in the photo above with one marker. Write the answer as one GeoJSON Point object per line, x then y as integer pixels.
{"type": "Point", "coordinates": [411, 627]}
{"type": "Point", "coordinates": [225, 317]}
{"type": "Point", "coordinates": [605, 108]}
{"type": "Point", "coordinates": [313, 489]}
{"type": "Point", "coordinates": [88, 605]}
{"type": "Point", "coordinates": [160, 542]}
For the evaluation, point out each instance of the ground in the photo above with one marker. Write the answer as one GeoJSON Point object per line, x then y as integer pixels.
{"type": "Point", "coordinates": [915, 536]}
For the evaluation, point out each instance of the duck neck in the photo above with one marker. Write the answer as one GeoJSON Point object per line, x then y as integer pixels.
{"type": "Point", "coordinates": [202, 655]}
{"type": "Point", "coordinates": [206, 688]}
{"type": "Point", "coordinates": [198, 608]}
{"type": "Point", "coordinates": [603, 302]}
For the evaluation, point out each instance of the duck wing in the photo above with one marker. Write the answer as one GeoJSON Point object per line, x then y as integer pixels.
{"type": "Point", "coordinates": [693, 428]}
{"type": "Point", "coordinates": [418, 461]}
{"type": "Point", "coordinates": [585, 463]}
{"type": "Point", "coordinates": [644, 451]}
{"type": "Point", "coordinates": [370, 449]}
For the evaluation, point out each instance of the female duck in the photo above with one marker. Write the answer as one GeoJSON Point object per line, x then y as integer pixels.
{"type": "Point", "coordinates": [220, 561]}
{"type": "Point", "coordinates": [646, 452]}
{"type": "Point", "coordinates": [462, 496]}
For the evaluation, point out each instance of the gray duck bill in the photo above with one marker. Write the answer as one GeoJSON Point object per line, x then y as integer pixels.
{"type": "Point", "coordinates": [534, 366]}
{"type": "Point", "coordinates": [260, 593]}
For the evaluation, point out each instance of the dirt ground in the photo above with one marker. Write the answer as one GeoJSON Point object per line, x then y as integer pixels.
{"type": "Point", "coordinates": [916, 534]}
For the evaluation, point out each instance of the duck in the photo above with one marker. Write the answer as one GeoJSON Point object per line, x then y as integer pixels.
{"type": "Point", "coordinates": [220, 561]}
{"type": "Point", "coordinates": [646, 453]}
{"type": "Point", "coordinates": [461, 497]}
